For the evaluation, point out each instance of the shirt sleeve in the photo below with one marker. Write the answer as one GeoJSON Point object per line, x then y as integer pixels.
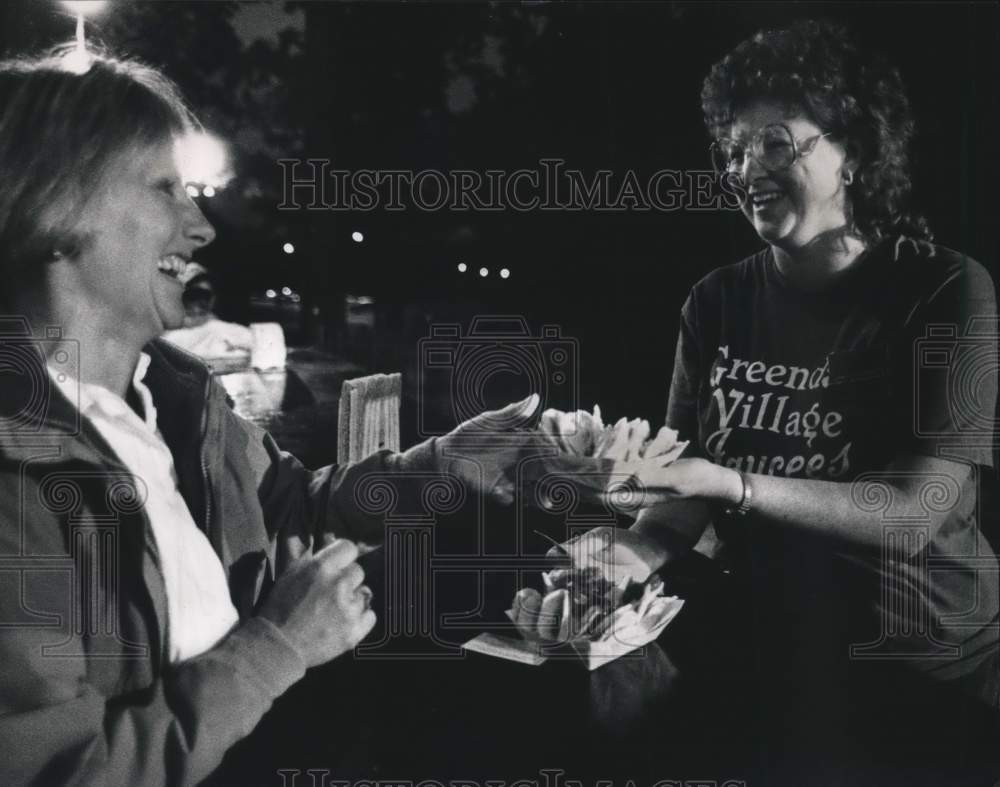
{"type": "Point", "coordinates": [682, 401]}
{"type": "Point", "coordinates": [947, 368]}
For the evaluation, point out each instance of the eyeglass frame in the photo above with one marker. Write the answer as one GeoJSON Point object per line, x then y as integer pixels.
{"type": "Point", "coordinates": [797, 146]}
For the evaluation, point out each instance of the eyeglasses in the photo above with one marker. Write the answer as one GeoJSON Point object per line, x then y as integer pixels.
{"type": "Point", "coordinates": [773, 147]}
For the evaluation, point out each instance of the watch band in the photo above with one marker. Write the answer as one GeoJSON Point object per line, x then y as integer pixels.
{"type": "Point", "coordinates": [743, 507]}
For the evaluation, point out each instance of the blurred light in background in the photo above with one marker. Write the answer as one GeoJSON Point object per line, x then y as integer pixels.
{"type": "Point", "coordinates": [288, 248]}
{"type": "Point", "coordinates": [78, 60]}
{"type": "Point", "coordinates": [85, 7]}
{"type": "Point", "coordinates": [208, 191]}
{"type": "Point", "coordinates": [462, 267]}
{"type": "Point", "coordinates": [484, 272]}
{"type": "Point", "coordinates": [357, 237]}
{"type": "Point", "coordinates": [192, 190]}
{"type": "Point", "coordinates": [504, 273]}
{"type": "Point", "coordinates": [202, 158]}
{"type": "Point", "coordinates": [286, 291]}
{"type": "Point", "coordinates": [271, 293]}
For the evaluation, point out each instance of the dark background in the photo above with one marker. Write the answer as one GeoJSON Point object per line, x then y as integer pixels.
{"type": "Point", "coordinates": [499, 86]}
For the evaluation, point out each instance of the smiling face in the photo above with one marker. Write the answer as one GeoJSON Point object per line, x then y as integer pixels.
{"type": "Point", "coordinates": [140, 228]}
{"type": "Point", "coordinates": [811, 194]}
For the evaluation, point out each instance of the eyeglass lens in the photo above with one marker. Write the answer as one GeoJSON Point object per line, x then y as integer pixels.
{"type": "Point", "coordinates": [773, 147]}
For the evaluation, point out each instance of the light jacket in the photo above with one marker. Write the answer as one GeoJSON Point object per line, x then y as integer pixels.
{"type": "Point", "coordinates": [87, 695]}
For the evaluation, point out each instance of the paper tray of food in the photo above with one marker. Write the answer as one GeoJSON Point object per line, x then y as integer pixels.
{"type": "Point", "coordinates": [584, 617]}
{"type": "Point", "coordinates": [595, 653]}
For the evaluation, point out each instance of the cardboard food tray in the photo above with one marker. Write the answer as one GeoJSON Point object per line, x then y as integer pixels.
{"type": "Point", "coordinates": [591, 653]}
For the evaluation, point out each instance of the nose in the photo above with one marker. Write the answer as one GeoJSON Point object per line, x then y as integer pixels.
{"type": "Point", "coordinates": [197, 228]}
{"type": "Point", "coordinates": [751, 169]}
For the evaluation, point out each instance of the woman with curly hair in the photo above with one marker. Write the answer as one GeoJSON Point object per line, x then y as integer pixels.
{"type": "Point", "coordinates": [839, 386]}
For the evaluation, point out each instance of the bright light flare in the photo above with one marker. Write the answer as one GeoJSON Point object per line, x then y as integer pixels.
{"type": "Point", "coordinates": [504, 273]}
{"type": "Point", "coordinates": [202, 158]}
{"type": "Point", "coordinates": [357, 237]}
{"type": "Point", "coordinates": [288, 248]}
{"type": "Point", "coordinates": [79, 60]}
{"type": "Point", "coordinates": [462, 267]}
{"type": "Point", "coordinates": [484, 272]}
{"type": "Point", "coordinates": [85, 7]}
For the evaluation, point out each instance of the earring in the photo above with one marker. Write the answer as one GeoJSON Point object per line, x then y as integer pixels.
{"type": "Point", "coordinates": [848, 178]}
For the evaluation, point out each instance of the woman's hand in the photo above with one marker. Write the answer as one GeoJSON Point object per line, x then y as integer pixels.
{"type": "Point", "coordinates": [484, 450]}
{"type": "Point", "coordinates": [616, 552]}
{"type": "Point", "coordinates": [320, 603]}
{"type": "Point", "coordinates": [689, 479]}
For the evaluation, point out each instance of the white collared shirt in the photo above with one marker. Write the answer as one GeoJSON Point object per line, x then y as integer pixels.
{"type": "Point", "coordinates": [200, 611]}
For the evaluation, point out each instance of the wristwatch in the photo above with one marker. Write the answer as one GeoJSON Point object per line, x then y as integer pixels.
{"type": "Point", "coordinates": [743, 507]}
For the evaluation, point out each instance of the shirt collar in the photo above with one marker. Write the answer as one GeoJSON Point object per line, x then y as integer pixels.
{"type": "Point", "coordinates": [89, 397]}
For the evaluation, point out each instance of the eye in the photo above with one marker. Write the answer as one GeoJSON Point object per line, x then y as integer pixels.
{"type": "Point", "coordinates": [776, 145]}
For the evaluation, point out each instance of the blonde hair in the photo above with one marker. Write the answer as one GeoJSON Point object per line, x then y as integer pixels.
{"type": "Point", "coordinates": [62, 128]}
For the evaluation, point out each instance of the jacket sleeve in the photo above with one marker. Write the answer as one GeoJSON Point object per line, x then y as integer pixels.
{"type": "Point", "coordinates": [301, 505]}
{"type": "Point", "coordinates": [69, 718]}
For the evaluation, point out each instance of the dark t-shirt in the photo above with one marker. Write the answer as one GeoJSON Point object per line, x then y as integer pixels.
{"type": "Point", "coordinates": [898, 357]}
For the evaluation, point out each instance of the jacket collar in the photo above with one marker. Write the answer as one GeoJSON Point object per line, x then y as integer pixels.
{"type": "Point", "coordinates": [35, 413]}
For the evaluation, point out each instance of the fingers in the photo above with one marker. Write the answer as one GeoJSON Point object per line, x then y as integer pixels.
{"type": "Point", "coordinates": [530, 405]}
{"type": "Point", "coordinates": [337, 555]}
{"type": "Point", "coordinates": [349, 582]}
{"type": "Point", "coordinates": [358, 609]}
{"type": "Point", "coordinates": [365, 623]}
{"type": "Point", "coordinates": [359, 602]}
{"type": "Point", "coordinates": [360, 617]}
{"type": "Point", "coordinates": [325, 540]}
{"type": "Point", "coordinates": [558, 552]}
{"type": "Point", "coordinates": [527, 607]}
{"type": "Point", "coordinates": [550, 615]}
{"type": "Point", "coordinates": [505, 419]}
{"type": "Point", "coordinates": [582, 549]}
{"type": "Point", "coordinates": [522, 409]}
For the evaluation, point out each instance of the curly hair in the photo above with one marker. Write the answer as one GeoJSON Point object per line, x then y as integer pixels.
{"type": "Point", "coordinates": [859, 98]}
